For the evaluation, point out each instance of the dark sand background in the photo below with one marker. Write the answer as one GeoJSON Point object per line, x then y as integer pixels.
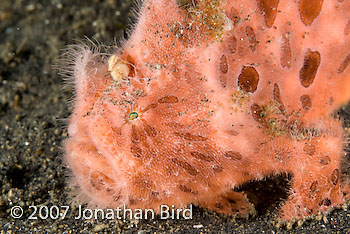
{"type": "Point", "coordinates": [33, 103]}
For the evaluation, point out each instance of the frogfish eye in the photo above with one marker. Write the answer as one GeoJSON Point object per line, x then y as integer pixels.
{"type": "Point", "coordinates": [133, 115]}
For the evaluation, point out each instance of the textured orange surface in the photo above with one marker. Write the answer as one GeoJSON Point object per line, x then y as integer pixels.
{"type": "Point", "coordinates": [219, 93]}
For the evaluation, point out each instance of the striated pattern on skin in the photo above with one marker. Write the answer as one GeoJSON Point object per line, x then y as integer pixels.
{"type": "Point", "coordinates": [218, 93]}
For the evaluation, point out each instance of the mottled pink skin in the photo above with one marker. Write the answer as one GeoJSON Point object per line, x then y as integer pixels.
{"type": "Point", "coordinates": [199, 133]}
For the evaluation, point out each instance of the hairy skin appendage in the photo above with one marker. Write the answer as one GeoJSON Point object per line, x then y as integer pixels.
{"type": "Point", "coordinates": [208, 95]}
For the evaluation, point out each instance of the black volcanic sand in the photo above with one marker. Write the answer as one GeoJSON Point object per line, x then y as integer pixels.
{"type": "Point", "coordinates": [33, 107]}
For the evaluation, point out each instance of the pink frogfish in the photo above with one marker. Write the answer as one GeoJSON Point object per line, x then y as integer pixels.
{"type": "Point", "coordinates": [205, 96]}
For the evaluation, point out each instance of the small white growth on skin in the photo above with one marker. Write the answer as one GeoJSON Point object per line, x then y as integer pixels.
{"type": "Point", "coordinates": [228, 23]}
{"type": "Point", "coordinates": [117, 68]}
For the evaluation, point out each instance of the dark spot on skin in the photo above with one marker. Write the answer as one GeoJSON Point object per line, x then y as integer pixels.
{"type": "Point", "coordinates": [190, 137]}
{"type": "Point", "coordinates": [149, 107]}
{"type": "Point", "coordinates": [223, 64]}
{"type": "Point", "coordinates": [136, 151]}
{"type": "Point", "coordinates": [330, 101]}
{"type": "Point", "coordinates": [268, 9]}
{"type": "Point", "coordinates": [142, 183]}
{"type": "Point", "coordinates": [251, 38]}
{"type": "Point", "coordinates": [132, 201]}
{"type": "Point", "coordinates": [257, 112]}
{"type": "Point", "coordinates": [116, 197]}
{"type": "Point", "coordinates": [185, 189]}
{"type": "Point", "coordinates": [344, 64]}
{"type": "Point", "coordinates": [98, 180]}
{"type": "Point", "coordinates": [308, 72]}
{"type": "Point", "coordinates": [248, 79]}
{"type": "Point", "coordinates": [155, 195]}
{"type": "Point", "coordinates": [277, 98]}
{"type": "Point", "coordinates": [168, 99]}
{"type": "Point", "coordinates": [347, 28]}
{"type": "Point", "coordinates": [305, 101]}
{"type": "Point", "coordinates": [175, 125]}
{"type": "Point", "coordinates": [325, 160]}
{"type": "Point", "coordinates": [135, 137]}
{"type": "Point", "coordinates": [313, 186]}
{"type": "Point", "coordinates": [286, 52]}
{"type": "Point", "coordinates": [185, 165]}
{"type": "Point", "coordinates": [223, 80]}
{"type": "Point", "coordinates": [232, 44]}
{"type": "Point", "coordinates": [310, 149]}
{"type": "Point", "coordinates": [201, 156]}
{"type": "Point", "coordinates": [233, 155]}
{"type": "Point", "coordinates": [309, 10]}
{"type": "Point", "coordinates": [217, 168]}
{"type": "Point", "coordinates": [224, 70]}
{"type": "Point", "coordinates": [117, 130]}
{"type": "Point", "coordinates": [95, 184]}
{"type": "Point", "coordinates": [233, 132]}
{"type": "Point", "coordinates": [152, 132]}
{"type": "Point", "coordinates": [335, 176]}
